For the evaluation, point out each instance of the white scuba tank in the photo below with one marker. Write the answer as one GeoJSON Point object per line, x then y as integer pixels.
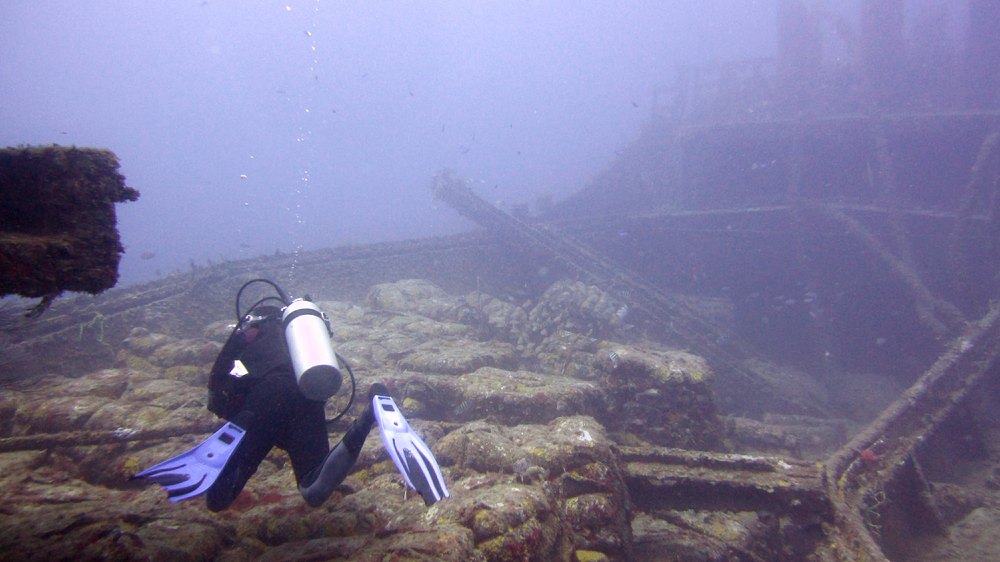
{"type": "Point", "coordinates": [307, 334]}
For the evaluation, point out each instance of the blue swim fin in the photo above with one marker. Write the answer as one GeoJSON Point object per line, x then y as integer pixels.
{"type": "Point", "coordinates": [412, 456]}
{"type": "Point", "coordinates": [192, 473]}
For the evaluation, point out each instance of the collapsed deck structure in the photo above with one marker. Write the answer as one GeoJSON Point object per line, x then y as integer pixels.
{"type": "Point", "coordinates": [58, 221]}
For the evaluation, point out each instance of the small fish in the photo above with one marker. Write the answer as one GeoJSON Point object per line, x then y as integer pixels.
{"type": "Point", "coordinates": [147, 255]}
{"type": "Point", "coordinates": [464, 407]}
{"type": "Point", "coordinates": [614, 358]}
{"type": "Point", "coordinates": [622, 312]}
{"type": "Point", "coordinates": [124, 432]}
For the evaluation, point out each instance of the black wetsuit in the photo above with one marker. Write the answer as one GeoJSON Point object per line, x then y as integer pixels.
{"type": "Point", "coordinates": [268, 405]}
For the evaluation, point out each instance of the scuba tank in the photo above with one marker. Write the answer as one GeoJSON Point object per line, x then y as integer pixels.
{"type": "Point", "coordinates": [307, 337]}
{"type": "Point", "coordinates": [307, 334]}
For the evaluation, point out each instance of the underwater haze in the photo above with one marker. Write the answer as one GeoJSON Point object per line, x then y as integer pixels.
{"type": "Point", "coordinates": [676, 279]}
{"type": "Point", "coordinates": [255, 127]}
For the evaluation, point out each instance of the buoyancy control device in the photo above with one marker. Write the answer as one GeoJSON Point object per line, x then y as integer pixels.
{"type": "Point", "coordinates": [307, 336]}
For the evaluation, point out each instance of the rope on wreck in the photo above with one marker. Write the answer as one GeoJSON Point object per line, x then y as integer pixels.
{"type": "Point", "coordinates": [43, 441]}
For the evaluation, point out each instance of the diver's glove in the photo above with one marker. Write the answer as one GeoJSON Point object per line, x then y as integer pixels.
{"type": "Point", "coordinates": [412, 456]}
{"type": "Point", "coordinates": [192, 473]}
{"type": "Point", "coordinates": [317, 486]}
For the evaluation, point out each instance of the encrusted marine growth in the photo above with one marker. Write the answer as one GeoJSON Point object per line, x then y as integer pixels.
{"type": "Point", "coordinates": [57, 220]}
{"type": "Point", "coordinates": [575, 307]}
{"type": "Point", "coordinates": [663, 396]}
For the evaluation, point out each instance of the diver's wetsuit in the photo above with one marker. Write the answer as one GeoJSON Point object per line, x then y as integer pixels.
{"type": "Point", "coordinates": [274, 413]}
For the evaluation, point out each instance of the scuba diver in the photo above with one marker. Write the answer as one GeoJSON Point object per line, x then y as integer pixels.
{"type": "Point", "coordinates": [270, 382]}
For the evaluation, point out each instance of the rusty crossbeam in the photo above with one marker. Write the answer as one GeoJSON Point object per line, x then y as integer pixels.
{"type": "Point", "coordinates": [900, 427]}
{"type": "Point", "coordinates": [985, 171]}
{"type": "Point", "coordinates": [892, 475]}
{"type": "Point", "coordinates": [667, 478]}
{"type": "Point", "coordinates": [938, 315]}
{"type": "Point", "coordinates": [667, 481]}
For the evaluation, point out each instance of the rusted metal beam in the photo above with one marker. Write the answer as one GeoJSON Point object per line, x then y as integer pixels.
{"type": "Point", "coordinates": [939, 316]}
{"type": "Point", "coordinates": [666, 478]}
{"type": "Point", "coordinates": [663, 480]}
{"type": "Point", "coordinates": [975, 196]}
{"type": "Point", "coordinates": [879, 465]}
